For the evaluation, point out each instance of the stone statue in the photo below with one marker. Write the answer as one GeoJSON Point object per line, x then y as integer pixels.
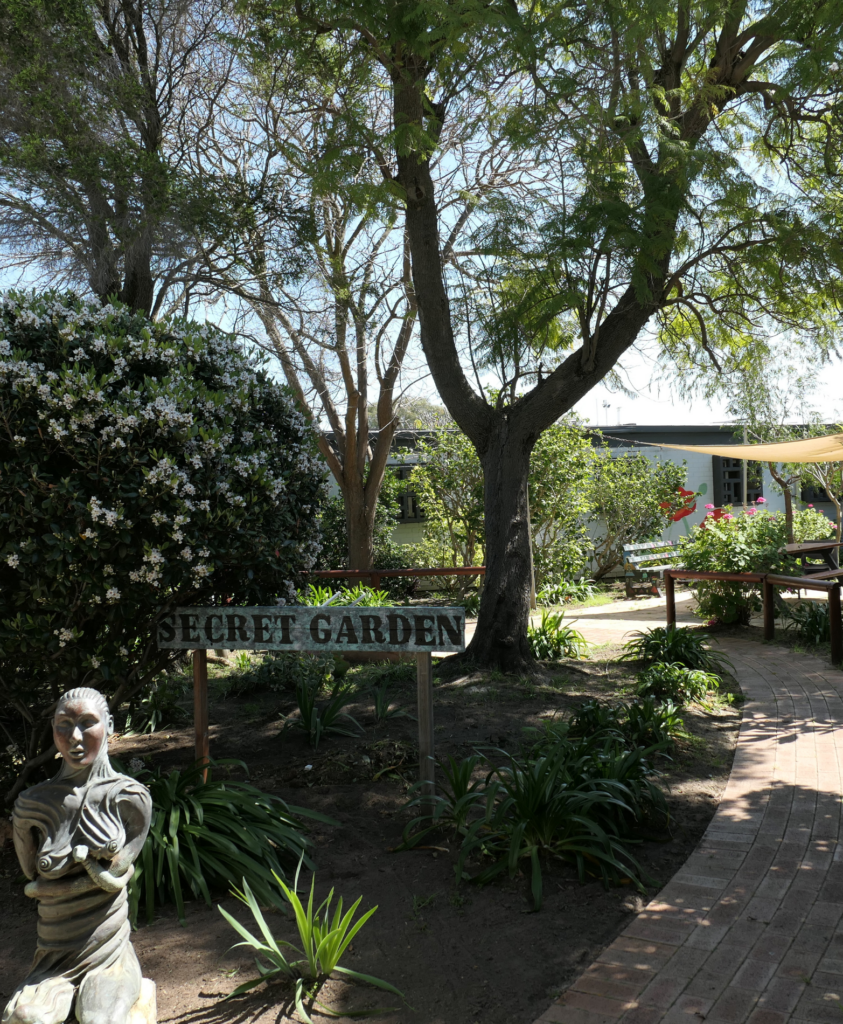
{"type": "Point", "coordinates": [76, 838]}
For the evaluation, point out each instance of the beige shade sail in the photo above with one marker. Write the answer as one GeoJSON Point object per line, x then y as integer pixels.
{"type": "Point", "coordinates": [812, 449]}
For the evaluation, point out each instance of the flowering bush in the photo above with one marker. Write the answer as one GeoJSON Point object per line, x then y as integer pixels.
{"type": "Point", "coordinates": [744, 542]}
{"type": "Point", "coordinates": [142, 465]}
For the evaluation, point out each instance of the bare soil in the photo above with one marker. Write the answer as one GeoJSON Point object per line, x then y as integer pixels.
{"type": "Point", "coordinates": [461, 955]}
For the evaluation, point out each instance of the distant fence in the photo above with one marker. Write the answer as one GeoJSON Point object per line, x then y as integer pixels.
{"type": "Point", "coordinates": [768, 581]}
{"type": "Point", "coordinates": [374, 576]}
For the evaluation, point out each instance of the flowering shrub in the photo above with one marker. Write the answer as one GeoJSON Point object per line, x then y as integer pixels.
{"type": "Point", "coordinates": [142, 465]}
{"type": "Point", "coordinates": [744, 542]}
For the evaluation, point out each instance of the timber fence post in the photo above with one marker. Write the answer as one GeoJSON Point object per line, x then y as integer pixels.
{"type": "Point", "coordinates": [768, 591]}
{"type": "Point", "coordinates": [200, 708]}
{"type": "Point", "coordinates": [835, 625]}
{"type": "Point", "coordinates": [427, 766]}
{"type": "Point", "coordinates": [670, 598]}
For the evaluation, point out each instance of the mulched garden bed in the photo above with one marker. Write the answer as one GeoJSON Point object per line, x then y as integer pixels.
{"type": "Point", "coordinates": [460, 954]}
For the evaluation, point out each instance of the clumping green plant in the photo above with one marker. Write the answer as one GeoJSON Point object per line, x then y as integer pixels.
{"type": "Point", "coordinates": [652, 723]}
{"type": "Point", "coordinates": [751, 541]}
{"type": "Point", "coordinates": [676, 682]}
{"type": "Point", "coordinates": [675, 644]}
{"type": "Point", "coordinates": [325, 938]}
{"type": "Point", "coordinates": [206, 832]}
{"type": "Point", "coordinates": [328, 719]}
{"type": "Point", "coordinates": [646, 723]}
{"type": "Point", "coordinates": [383, 706]}
{"type": "Point", "coordinates": [566, 592]}
{"type": "Point", "coordinates": [810, 620]}
{"type": "Point", "coordinates": [552, 639]}
{"type": "Point", "coordinates": [574, 799]}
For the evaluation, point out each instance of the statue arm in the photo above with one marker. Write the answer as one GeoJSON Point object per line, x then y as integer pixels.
{"type": "Point", "coordinates": [136, 813]}
{"type": "Point", "coordinates": [25, 847]}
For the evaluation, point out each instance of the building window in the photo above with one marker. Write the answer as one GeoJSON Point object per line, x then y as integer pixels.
{"type": "Point", "coordinates": [728, 486]}
{"type": "Point", "coordinates": [409, 510]}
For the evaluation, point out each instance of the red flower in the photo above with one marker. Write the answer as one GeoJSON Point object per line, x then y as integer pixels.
{"type": "Point", "coordinates": [686, 509]}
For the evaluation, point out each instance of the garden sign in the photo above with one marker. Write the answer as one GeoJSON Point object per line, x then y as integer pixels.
{"type": "Point", "coordinates": [330, 628]}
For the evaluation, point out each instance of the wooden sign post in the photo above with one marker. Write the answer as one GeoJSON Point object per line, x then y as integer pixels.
{"type": "Point", "coordinates": [329, 628]}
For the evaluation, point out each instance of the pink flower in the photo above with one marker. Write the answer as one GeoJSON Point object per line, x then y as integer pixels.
{"type": "Point", "coordinates": [709, 506]}
{"type": "Point", "coordinates": [728, 515]}
{"type": "Point", "coordinates": [751, 511]}
{"type": "Point", "coordinates": [760, 501]}
{"type": "Point", "coordinates": [810, 506]}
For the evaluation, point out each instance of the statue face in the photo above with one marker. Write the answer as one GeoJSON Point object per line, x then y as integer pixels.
{"type": "Point", "coordinates": [79, 731]}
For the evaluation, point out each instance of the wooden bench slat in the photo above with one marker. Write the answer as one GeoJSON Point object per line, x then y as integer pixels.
{"type": "Point", "coordinates": [649, 545]}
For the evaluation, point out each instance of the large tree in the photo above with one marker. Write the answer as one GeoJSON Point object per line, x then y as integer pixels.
{"type": "Point", "coordinates": [649, 120]}
{"type": "Point", "coordinates": [96, 116]}
{"type": "Point", "coordinates": [311, 244]}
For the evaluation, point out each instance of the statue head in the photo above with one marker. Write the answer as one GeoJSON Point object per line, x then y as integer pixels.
{"type": "Point", "coordinates": [82, 724]}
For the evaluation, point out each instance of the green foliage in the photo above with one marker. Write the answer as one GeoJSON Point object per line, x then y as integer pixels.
{"type": "Point", "coordinates": [204, 834]}
{"type": "Point", "coordinates": [361, 595]}
{"type": "Point", "coordinates": [676, 683]}
{"type": "Point", "coordinates": [646, 723]}
{"type": "Point", "coordinates": [809, 619]}
{"type": "Point", "coordinates": [747, 542]}
{"type": "Point", "coordinates": [387, 554]}
{"type": "Point", "coordinates": [652, 723]}
{"type": "Point", "coordinates": [279, 670]}
{"type": "Point", "coordinates": [384, 708]}
{"type": "Point", "coordinates": [561, 502]}
{"type": "Point", "coordinates": [448, 481]}
{"type": "Point", "coordinates": [324, 937]}
{"type": "Point", "coordinates": [326, 719]}
{"type": "Point", "coordinates": [675, 644]}
{"type": "Point", "coordinates": [629, 495]}
{"type": "Point", "coordinates": [566, 592]}
{"type": "Point", "coordinates": [552, 639]}
{"type": "Point", "coordinates": [161, 704]}
{"type": "Point", "coordinates": [142, 465]}
{"type": "Point", "coordinates": [578, 800]}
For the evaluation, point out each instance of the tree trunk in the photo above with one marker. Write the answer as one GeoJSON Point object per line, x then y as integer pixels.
{"type": "Point", "coordinates": [501, 637]}
{"type": "Point", "coordinates": [788, 499]}
{"type": "Point", "coordinates": [360, 530]}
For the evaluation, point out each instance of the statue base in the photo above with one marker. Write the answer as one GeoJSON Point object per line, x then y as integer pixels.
{"type": "Point", "coordinates": [145, 1010]}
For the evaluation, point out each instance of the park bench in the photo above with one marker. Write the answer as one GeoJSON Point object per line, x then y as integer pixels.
{"type": "Point", "coordinates": [644, 565]}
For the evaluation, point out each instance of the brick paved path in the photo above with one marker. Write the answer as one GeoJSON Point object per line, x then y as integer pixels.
{"type": "Point", "coordinates": [750, 929]}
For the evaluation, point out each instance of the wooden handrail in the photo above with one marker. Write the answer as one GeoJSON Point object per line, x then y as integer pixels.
{"type": "Point", "coordinates": [769, 581]}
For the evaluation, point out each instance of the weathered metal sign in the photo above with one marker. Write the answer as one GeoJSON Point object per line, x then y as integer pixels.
{"type": "Point", "coordinates": [306, 628]}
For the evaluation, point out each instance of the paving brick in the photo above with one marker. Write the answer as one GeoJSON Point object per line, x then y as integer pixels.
{"type": "Point", "coordinates": [756, 912]}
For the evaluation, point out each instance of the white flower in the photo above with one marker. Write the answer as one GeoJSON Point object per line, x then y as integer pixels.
{"type": "Point", "coordinates": [124, 651]}
{"type": "Point", "coordinates": [834, 66]}
{"type": "Point", "coordinates": [112, 595]}
{"type": "Point", "coordinates": [95, 663]}
{"type": "Point", "coordinates": [19, 439]}
{"type": "Point", "coordinates": [186, 553]}
{"type": "Point", "coordinates": [108, 570]}
{"type": "Point", "coordinates": [136, 765]}
{"type": "Point", "coordinates": [13, 561]}
{"type": "Point", "coordinates": [64, 635]}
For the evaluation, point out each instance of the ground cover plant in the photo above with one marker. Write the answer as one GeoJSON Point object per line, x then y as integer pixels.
{"type": "Point", "coordinates": [676, 682]}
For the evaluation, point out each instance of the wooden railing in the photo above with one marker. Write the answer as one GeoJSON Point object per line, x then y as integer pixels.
{"type": "Point", "coordinates": [768, 581]}
{"type": "Point", "coordinates": [374, 575]}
